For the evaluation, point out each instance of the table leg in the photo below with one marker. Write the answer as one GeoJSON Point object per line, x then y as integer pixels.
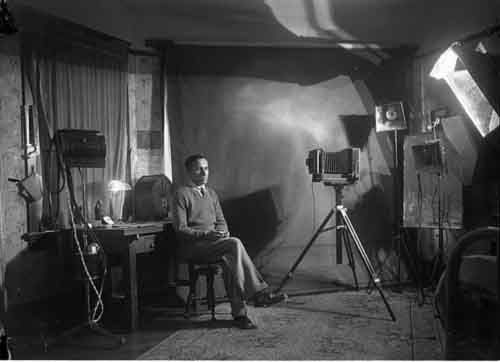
{"type": "Point", "coordinates": [130, 274]}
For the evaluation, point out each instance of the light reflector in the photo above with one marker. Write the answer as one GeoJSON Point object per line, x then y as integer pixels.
{"type": "Point", "coordinates": [466, 89]}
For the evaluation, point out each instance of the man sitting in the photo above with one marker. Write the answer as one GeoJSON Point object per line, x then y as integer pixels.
{"type": "Point", "coordinates": [204, 236]}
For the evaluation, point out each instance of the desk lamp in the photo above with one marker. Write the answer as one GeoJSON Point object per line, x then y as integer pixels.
{"type": "Point", "coordinates": [115, 187]}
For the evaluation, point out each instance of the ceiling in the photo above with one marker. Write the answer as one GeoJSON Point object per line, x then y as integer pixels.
{"type": "Point", "coordinates": [386, 23]}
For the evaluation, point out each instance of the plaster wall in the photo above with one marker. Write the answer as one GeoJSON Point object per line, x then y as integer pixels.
{"type": "Point", "coordinates": [25, 275]}
{"type": "Point", "coordinates": [12, 206]}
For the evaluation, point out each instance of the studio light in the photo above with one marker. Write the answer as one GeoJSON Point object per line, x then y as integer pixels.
{"type": "Point", "coordinates": [7, 23]}
{"type": "Point", "coordinates": [445, 65]}
{"type": "Point", "coordinates": [473, 76]}
{"type": "Point", "coordinates": [390, 117]}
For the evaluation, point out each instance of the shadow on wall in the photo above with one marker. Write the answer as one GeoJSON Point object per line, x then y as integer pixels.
{"type": "Point", "coordinates": [373, 222]}
{"type": "Point", "coordinates": [357, 128]}
{"type": "Point", "coordinates": [254, 218]}
{"type": "Point", "coordinates": [287, 65]}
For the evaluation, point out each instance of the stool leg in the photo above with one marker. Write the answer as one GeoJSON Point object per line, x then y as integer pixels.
{"type": "Point", "coordinates": [193, 278]}
{"type": "Point", "coordinates": [211, 294]}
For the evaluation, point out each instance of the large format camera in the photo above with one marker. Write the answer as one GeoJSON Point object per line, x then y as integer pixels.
{"type": "Point", "coordinates": [340, 167]}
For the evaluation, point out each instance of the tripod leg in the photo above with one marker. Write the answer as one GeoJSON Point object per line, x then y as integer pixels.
{"type": "Point", "coordinates": [358, 244]}
{"type": "Point", "coordinates": [364, 257]}
{"type": "Point", "coordinates": [289, 275]}
{"type": "Point", "coordinates": [350, 254]}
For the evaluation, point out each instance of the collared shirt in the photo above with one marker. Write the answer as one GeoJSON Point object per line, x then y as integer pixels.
{"type": "Point", "coordinates": [201, 189]}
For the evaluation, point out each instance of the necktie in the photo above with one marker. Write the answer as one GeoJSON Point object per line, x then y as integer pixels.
{"type": "Point", "coordinates": [203, 191]}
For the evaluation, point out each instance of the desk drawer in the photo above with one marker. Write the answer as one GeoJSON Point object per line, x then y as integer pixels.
{"type": "Point", "coordinates": [145, 244]}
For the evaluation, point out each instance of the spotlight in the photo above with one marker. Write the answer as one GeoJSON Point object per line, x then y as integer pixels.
{"type": "Point", "coordinates": [472, 75]}
{"type": "Point", "coordinates": [7, 22]}
{"type": "Point", "coordinates": [445, 64]}
{"type": "Point", "coordinates": [390, 117]}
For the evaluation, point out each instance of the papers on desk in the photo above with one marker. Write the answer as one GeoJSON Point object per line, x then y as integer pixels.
{"type": "Point", "coordinates": [140, 224]}
{"type": "Point", "coordinates": [135, 225]}
{"type": "Point", "coordinates": [37, 235]}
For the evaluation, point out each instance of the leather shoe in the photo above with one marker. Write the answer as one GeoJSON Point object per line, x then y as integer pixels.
{"type": "Point", "coordinates": [265, 299]}
{"type": "Point", "coordinates": [243, 322]}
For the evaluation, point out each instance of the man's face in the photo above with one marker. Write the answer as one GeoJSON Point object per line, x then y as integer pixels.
{"type": "Point", "coordinates": [198, 172]}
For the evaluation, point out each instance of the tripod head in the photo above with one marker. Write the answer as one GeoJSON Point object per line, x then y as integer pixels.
{"type": "Point", "coordinates": [338, 184]}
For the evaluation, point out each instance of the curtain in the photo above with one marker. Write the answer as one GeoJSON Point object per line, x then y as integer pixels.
{"type": "Point", "coordinates": [77, 85]}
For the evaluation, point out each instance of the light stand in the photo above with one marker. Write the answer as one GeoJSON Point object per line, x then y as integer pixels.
{"type": "Point", "coordinates": [429, 160]}
{"type": "Point", "coordinates": [398, 233]}
{"type": "Point", "coordinates": [391, 117]}
{"type": "Point", "coordinates": [439, 264]}
{"type": "Point", "coordinates": [91, 324]}
{"type": "Point", "coordinates": [498, 267]}
{"type": "Point", "coordinates": [346, 234]}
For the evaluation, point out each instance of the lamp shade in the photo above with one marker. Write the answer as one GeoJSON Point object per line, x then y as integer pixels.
{"type": "Point", "coordinates": [117, 185]}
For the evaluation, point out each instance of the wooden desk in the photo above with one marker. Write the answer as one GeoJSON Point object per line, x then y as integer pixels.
{"type": "Point", "coordinates": [127, 241]}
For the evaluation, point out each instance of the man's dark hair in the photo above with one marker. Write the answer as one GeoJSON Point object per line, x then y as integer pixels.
{"type": "Point", "coordinates": [192, 159]}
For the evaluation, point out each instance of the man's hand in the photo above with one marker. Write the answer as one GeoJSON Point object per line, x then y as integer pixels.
{"type": "Point", "coordinates": [215, 235]}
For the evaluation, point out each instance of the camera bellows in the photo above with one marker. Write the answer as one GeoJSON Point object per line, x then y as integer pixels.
{"type": "Point", "coordinates": [341, 166]}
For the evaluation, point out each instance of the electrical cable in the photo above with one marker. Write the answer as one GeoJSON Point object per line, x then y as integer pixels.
{"type": "Point", "coordinates": [420, 204]}
{"type": "Point", "coordinates": [60, 177]}
{"type": "Point", "coordinates": [433, 201]}
{"type": "Point", "coordinates": [94, 239]}
{"type": "Point", "coordinates": [436, 313]}
{"type": "Point", "coordinates": [60, 168]}
{"type": "Point", "coordinates": [72, 204]}
{"type": "Point", "coordinates": [84, 265]}
{"type": "Point", "coordinates": [412, 332]}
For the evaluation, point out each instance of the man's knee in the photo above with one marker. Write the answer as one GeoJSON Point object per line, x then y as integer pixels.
{"type": "Point", "coordinates": [235, 244]}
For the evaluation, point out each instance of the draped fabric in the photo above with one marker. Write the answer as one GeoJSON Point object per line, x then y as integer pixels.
{"type": "Point", "coordinates": [77, 86]}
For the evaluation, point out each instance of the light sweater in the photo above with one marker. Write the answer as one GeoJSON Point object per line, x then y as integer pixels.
{"type": "Point", "coordinates": [194, 215]}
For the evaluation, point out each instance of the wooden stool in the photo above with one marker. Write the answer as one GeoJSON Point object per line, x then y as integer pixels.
{"type": "Point", "coordinates": [197, 270]}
